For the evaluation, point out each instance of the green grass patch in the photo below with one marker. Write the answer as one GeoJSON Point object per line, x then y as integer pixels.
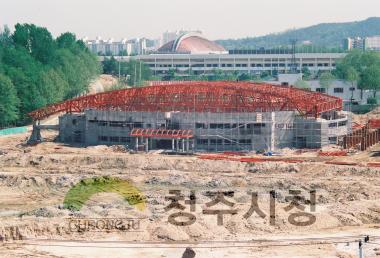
{"type": "Point", "coordinates": [78, 195]}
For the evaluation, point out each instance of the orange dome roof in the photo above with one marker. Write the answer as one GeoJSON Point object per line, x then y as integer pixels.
{"type": "Point", "coordinates": [192, 43]}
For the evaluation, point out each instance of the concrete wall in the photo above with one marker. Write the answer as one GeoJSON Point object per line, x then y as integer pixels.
{"type": "Point", "coordinates": [72, 128]}
{"type": "Point", "coordinates": [316, 133]}
{"type": "Point", "coordinates": [212, 131]}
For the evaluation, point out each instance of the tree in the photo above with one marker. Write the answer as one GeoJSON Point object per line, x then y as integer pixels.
{"type": "Point", "coordinates": [9, 101]}
{"type": "Point", "coordinates": [360, 66]}
{"type": "Point", "coordinates": [38, 41]}
{"type": "Point", "coordinates": [5, 37]}
{"type": "Point", "coordinates": [352, 76]}
{"type": "Point", "coordinates": [371, 79]}
{"type": "Point", "coordinates": [52, 87]}
{"type": "Point", "coordinates": [244, 77]}
{"type": "Point", "coordinates": [302, 84]}
{"type": "Point", "coordinates": [110, 66]}
{"type": "Point", "coordinates": [67, 40]}
{"type": "Point", "coordinates": [306, 74]}
{"type": "Point", "coordinates": [326, 79]}
{"type": "Point", "coordinates": [42, 69]}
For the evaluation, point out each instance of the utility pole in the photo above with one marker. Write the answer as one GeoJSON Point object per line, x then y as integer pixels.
{"type": "Point", "coordinates": [361, 251]}
{"type": "Point", "coordinates": [361, 255]}
{"type": "Point", "coordinates": [134, 79]}
{"type": "Point", "coordinates": [294, 61]}
{"type": "Point", "coordinates": [119, 69]}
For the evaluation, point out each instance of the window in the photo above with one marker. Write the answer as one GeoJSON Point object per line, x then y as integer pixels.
{"type": "Point", "coordinates": [342, 123]}
{"type": "Point", "coordinates": [227, 142]}
{"type": "Point", "coordinates": [102, 138]}
{"type": "Point", "coordinates": [114, 139]}
{"type": "Point", "coordinates": [202, 141]}
{"type": "Point", "coordinates": [102, 123]}
{"type": "Point", "coordinates": [200, 126]}
{"type": "Point", "coordinates": [125, 139]}
{"type": "Point", "coordinates": [321, 90]}
{"type": "Point", "coordinates": [245, 141]}
{"type": "Point", "coordinates": [352, 89]}
{"type": "Point", "coordinates": [116, 124]}
{"type": "Point", "coordinates": [331, 125]}
{"type": "Point", "coordinates": [213, 126]}
{"type": "Point", "coordinates": [338, 90]}
{"type": "Point", "coordinates": [137, 125]}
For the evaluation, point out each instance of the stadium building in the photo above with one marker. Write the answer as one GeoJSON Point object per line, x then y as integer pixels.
{"type": "Point", "coordinates": [191, 53]}
{"type": "Point", "coordinates": [202, 116]}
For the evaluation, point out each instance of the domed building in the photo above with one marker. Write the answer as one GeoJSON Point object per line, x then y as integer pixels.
{"type": "Point", "coordinates": [192, 43]}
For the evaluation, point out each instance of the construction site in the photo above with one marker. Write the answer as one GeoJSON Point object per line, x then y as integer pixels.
{"type": "Point", "coordinates": [236, 137]}
{"type": "Point", "coordinates": [202, 116]}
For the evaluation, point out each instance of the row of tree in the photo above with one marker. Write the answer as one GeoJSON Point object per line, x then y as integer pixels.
{"type": "Point", "coordinates": [133, 72]}
{"type": "Point", "coordinates": [37, 69]}
{"type": "Point", "coordinates": [362, 67]}
{"type": "Point", "coordinates": [357, 67]}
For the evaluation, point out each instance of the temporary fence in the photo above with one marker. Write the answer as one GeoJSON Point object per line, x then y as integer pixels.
{"type": "Point", "coordinates": [15, 130]}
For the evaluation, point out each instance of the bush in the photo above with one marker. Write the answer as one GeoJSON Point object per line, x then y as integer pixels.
{"type": "Point", "coordinates": [372, 101]}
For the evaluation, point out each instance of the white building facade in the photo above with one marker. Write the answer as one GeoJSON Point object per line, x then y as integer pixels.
{"type": "Point", "coordinates": [160, 64]}
{"type": "Point", "coordinates": [123, 47]}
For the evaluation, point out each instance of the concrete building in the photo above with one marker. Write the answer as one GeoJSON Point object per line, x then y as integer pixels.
{"type": "Point", "coordinates": [372, 43]}
{"type": "Point", "coordinates": [367, 43]}
{"type": "Point", "coordinates": [123, 47]}
{"type": "Point", "coordinates": [348, 92]}
{"type": "Point", "coordinates": [185, 64]}
{"type": "Point", "coordinates": [203, 116]}
{"type": "Point", "coordinates": [193, 54]}
{"type": "Point", "coordinates": [212, 132]}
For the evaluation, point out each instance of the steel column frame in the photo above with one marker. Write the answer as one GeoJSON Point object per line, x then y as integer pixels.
{"type": "Point", "coordinates": [162, 133]}
{"type": "Point", "coordinates": [201, 97]}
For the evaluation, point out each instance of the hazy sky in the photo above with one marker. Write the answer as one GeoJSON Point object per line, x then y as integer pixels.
{"type": "Point", "coordinates": [149, 18]}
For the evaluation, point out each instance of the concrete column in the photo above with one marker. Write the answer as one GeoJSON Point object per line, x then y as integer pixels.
{"type": "Point", "coordinates": [187, 145]}
{"type": "Point", "coordinates": [137, 143]}
{"type": "Point", "coordinates": [146, 144]}
{"type": "Point", "coordinates": [177, 144]}
{"type": "Point", "coordinates": [173, 144]}
{"type": "Point", "coordinates": [183, 145]}
{"type": "Point", "coordinates": [273, 135]}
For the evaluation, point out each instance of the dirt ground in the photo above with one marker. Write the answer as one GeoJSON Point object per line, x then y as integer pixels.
{"type": "Point", "coordinates": [34, 222]}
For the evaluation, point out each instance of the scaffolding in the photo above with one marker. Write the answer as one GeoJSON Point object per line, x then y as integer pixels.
{"type": "Point", "coordinates": [363, 137]}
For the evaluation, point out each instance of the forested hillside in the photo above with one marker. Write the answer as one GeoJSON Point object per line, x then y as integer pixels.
{"type": "Point", "coordinates": [329, 35]}
{"type": "Point", "coordinates": [37, 69]}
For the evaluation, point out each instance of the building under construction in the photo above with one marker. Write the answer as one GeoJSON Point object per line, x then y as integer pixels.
{"type": "Point", "coordinates": [203, 116]}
